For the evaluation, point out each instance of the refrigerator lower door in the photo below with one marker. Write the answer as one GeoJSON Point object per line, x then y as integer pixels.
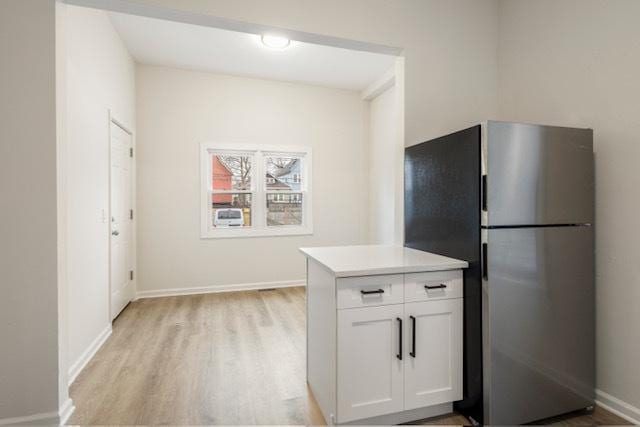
{"type": "Point", "coordinates": [538, 323]}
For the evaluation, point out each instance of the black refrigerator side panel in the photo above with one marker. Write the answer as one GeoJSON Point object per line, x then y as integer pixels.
{"type": "Point", "coordinates": [442, 215]}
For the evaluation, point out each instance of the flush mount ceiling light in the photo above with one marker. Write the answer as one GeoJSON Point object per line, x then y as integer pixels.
{"type": "Point", "coordinates": [274, 41]}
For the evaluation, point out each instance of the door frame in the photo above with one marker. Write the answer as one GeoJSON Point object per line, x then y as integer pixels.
{"type": "Point", "coordinates": [133, 254]}
{"type": "Point", "coordinates": [393, 78]}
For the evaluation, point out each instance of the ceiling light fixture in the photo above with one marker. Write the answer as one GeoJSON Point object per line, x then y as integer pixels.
{"type": "Point", "coordinates": [274, 41]}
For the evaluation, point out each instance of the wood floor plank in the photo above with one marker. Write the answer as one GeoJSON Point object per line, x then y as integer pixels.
{"type": "Point", "coordinates": [228, 358]}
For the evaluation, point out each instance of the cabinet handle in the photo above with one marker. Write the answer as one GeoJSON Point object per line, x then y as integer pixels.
{"type": "Point", "coordinates": [399, 355]}
{"type": "Point", "coordinates": [440, 286]}
{"type": "Point", "coordinates": [412, 353]}
{"type": "Point", "coordinates": [377, 291]}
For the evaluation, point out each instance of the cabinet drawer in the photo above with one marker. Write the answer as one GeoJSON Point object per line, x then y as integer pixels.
{"type": "Point", "coordinates": [368, 291]}
{"type": "Point", "coordinates": [434, 285]}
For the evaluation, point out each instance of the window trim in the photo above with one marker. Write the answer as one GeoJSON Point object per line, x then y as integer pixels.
{"type": "Point", "coordinates": [258, 191]}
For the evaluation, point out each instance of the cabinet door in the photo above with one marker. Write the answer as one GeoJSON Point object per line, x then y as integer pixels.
{"type": "Point", "coordinates": [370, 380]}
{"type": "Point", "coordinates": [433, 366]}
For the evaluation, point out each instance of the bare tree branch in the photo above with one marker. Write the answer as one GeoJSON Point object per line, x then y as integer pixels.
{"type": "Point", "coordinates": [240, 168]}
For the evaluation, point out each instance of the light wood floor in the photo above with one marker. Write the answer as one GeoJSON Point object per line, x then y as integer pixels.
{"type": "Point", "coordinates": [228, 358]}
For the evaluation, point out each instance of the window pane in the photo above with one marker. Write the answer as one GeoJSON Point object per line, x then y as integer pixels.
{"type": "Point", "coordinates": [283, 173]}
{"type": "Point", "coordinates": [231, 172]}
{"type": "Point", "coordinates": [231, 210]}
{"type": "Point", "coordinates": [284, 209]}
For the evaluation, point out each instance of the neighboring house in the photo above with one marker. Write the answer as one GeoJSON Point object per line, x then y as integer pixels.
{"type": "Point", "coordinates": [290, 175]}
{"type": "Point", "coordinates": [274, 183]}
{"type": "Point", "coordinates": [221, 181]}
{"type": "Point", "coordinates": [284, 208]}
{"type": "Point", "coordinates": [287, 178]}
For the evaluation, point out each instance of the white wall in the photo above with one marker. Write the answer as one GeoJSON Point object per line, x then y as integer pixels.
{"type": "Point", "coordinates": [383, 167]}
{"type": "Point", "coordinates": [577, 63]}
{"type": "Point", "coordinates": [100, 77]}
{"type": "Point", "coordinates": [28, 212]}
{"type": "Point", "coordinates": [177, 110]}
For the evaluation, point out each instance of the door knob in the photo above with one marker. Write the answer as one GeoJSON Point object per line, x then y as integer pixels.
{"type": "Point", "coordinates": [115, 233]}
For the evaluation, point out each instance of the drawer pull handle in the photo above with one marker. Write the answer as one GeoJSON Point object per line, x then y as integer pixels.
{"type": "Point", "coordinates": [377, 291]}
{"type": "Point", "coordinates": [412, 353]}
{"type": "Point", "coordinates": [440, 286]}
{"type": "Point", "coordinates": [399, 355]}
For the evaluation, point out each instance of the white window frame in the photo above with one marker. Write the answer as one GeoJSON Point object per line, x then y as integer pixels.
{"type": "Point", "coordinates": [258, 190]}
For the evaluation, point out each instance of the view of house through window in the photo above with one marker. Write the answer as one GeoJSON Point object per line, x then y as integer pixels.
{"type": "Point", "coordinates": [231, 183]}
{"type": "Point", "coordinates": [284, 200]}
{"type": "Point", "coordinates": [256, 190]}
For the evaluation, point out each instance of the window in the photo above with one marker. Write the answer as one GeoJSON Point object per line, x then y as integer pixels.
{"type": "Point", "coordinates": [255, 190]}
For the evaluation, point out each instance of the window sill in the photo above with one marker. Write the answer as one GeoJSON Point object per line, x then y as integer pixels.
{"type": "Point", "coordinates": [234, 233]}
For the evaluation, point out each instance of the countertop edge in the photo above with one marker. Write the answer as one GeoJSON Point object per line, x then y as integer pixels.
{"type": "Point", "coordinates": [407, 270]}
{"type": "Point", "coordinates": [453, 265]}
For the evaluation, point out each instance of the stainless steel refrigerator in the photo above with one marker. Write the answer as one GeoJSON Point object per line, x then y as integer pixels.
{"type": "Point", "coordinates": [517, 202]}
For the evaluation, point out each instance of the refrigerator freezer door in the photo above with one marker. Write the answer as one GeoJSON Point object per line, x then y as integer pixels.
{"type": "Point", "coordinates": [539, 320]}
{"type": "Point", "coordinates": [538, 175]}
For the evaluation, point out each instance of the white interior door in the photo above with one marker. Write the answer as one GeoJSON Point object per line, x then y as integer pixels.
{"type": "Point", "coordinates": [433, 366]}
{"type": "Point", "coordinates": [121, 220]}
{"type": "Point", "coordinates": [369, 362]}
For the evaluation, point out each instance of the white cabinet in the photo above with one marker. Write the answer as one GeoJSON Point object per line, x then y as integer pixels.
{"type": "Point", "coordinates": [433, 368]}
{"type": "Point", "coordinates": [398, 357]}
{"type": "Point", "coordinates": [370, 372]}
{"type": "Point", "coordinates": [364, 304]}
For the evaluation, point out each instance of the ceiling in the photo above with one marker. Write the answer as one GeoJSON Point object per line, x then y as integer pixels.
{"type": "Point", "coordinates": [159, 42]}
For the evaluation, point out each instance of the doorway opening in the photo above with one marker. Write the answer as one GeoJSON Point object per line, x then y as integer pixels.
{"type": "Point", "coordinates": [201, 155]}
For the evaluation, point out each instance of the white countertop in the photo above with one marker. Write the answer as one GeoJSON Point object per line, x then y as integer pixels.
{"type": "Point", "coordinates": [347, 261]}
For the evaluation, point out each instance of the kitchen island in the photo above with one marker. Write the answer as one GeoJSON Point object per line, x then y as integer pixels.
{"type": "Point", "coordinates": [384, 333]}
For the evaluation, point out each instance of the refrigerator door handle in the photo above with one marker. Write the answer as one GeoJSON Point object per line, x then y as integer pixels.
{"type": "Point", "coordinates": [485, 272]}
{"type": "Point", "coordinates": [484, 192]}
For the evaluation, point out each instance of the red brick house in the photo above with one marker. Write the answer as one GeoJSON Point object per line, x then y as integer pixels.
{"type": "Point", "coordinates": [221, 181]}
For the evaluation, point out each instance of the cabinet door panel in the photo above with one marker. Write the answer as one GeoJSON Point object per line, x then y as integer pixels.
{"type": "Point", "coordinates": [370, 379]}
{"type": "Point", "coordinates": [433, 367]}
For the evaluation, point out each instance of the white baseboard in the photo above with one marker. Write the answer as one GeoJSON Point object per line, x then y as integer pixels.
{"type": "Point", "coordinates": [46, 418]}
{"type": "Point", "coordinates": [618, 407]}
{"type": "Point", "coordinates": [65, 411]}
{"type": "Point", "coordinates": [37, 419]}
{"type": "Point", "coordinates": [88, 354]}
{"type": "Point", "coordinates": [219, 288]}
